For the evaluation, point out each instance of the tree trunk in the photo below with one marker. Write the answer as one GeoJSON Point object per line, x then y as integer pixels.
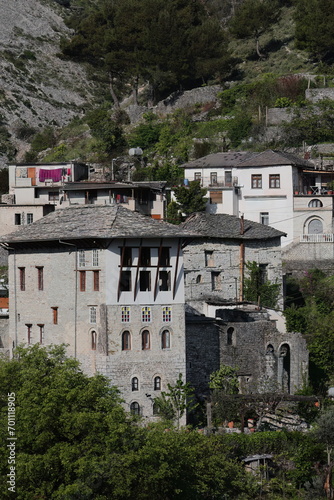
{"type": "Point", "coordinates": [112, 92]}
{"type": "Point", "coordinates": [261, 56]}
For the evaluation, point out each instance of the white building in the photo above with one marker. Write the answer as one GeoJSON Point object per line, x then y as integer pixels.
{"type": "Point", "coordinates": [273, 187]}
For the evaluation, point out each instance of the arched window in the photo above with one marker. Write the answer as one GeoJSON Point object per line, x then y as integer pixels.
{"type": "Point", "coordinates": [315, 204]}
{"type": "Point", "coordinates": [157, 383]}
{"type": "Point", "coordinates": [134, 384]}
{"type": "Point", "coordinates": [315, 227]}
{"type": "Point", "coordinates": [126, 341]}
{"type": "Point", "coordinates": [145, 340]}
{"type": "Point", "coordinates": [135, 408]}
{"type": "Point", "coordinates": [230, 332]}
{"type": "Point", "coordinates": [93, 338]}
{"type": "Point", "coordinates": [165, 339]}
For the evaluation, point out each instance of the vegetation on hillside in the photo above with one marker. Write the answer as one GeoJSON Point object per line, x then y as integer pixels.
{"type": "Point", "coordinates": [310, 310]}
{"type": "Point", "coordinates": [73, 439]}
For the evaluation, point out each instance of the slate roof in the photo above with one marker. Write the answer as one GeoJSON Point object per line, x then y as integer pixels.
{"type": "Point", "coordinates": [218, 160]}
{"type": "Point", "coordinates": [228, 227]}
{"type": "Point", "coordinates": [93, 222]}
{"type": "Point", "coordinates": [248, 159]}
{"type": "Point", "coordinates": [271, 158]}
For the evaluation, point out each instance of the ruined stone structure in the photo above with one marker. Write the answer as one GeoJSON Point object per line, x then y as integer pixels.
{"type": "Point", "coordinates": [220, 327]}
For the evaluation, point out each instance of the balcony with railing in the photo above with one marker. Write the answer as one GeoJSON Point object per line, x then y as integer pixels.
{"type": "Point", "coordinates": [317, 238]}
{"type": "Point", "coordinates": [224, 183]}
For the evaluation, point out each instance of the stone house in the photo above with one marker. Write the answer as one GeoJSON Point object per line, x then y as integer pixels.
{"type": "Point", "coordinates": [215, 261]}
{"type": "Point", "coordinates": [109, 283]}
{"type": "Point", "coordinates": [221, 328]}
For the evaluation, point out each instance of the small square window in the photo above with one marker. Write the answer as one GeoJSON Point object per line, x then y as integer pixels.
{"type": "Point", "coordinates": [92, 314]}
{"type": "Point", "coordinates": [167, 314]}
{"type": "Point", "coordinates": [125, 314]}
{"type": "Point", "coordinates": [146, 316]}
{"type": "Point", "coordinates": [264, 218]}
{"type": "Point", "coordinates": [95, 257]}
{"type": "Point", "coordinates": [256, 181]}
{"type": "Point", "coordinates": [81, 258]}
{"type": "Point", "coordinates": [274, 180]}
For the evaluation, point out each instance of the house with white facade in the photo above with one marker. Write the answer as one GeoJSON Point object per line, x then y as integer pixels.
{"type": "Point", "coordinates": [108, 282]}
{"type": "Point", "coordinates": [273, 187]}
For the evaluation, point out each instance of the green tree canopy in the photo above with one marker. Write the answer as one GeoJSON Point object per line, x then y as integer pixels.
{"type": "Point", "coordinates": [315, 28]}
{"type": "Point", "coordinates": [167, 44]}
{"type": "Point", "coordinates": [253, 18]}
{"type": "Point", "coordinates": [191, 198]}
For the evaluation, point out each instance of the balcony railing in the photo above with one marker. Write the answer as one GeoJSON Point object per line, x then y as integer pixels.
{"type": "Point", "coordinates": [317, 238]}
{"type": "Point", "coordinates": [233, 182]}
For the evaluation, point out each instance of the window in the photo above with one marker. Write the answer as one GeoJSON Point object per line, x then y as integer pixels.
{"type": "Point", "coordinates": [93, 340]}
{"type": "Point", "coordinates": [126, 341]}
{"type": "Point", "coordinates": [40, 283]}
{"type": "Point", "coordinates": [17, 219]}
{"type": "Point", "coordinates": [145, 257]}
{"type": "Point", "coordinates": [315, 227]}
{"type": "Point", "coordinates": [135, 408]}
{"type": "Point", "coordinates": [127, 256]}
{"type": "Point", "coordinates": [197, 176]}
{"type": "Point", "coordinates": [256, 181]}
{"type": "Point", "coordinates": [264, 218]}
{"type": "Point", "coordinates": [126, 314]}
{"type": "Point", "coordinates": [55, 315]}
{"type": "Point", "coordinates": [164, 259]}
{"type": "Point", "coordinates": [146, 314]}
{"type": "Point", "coordinates": [215, 281]}
{"type": "Point", "coordinates": [81, 258]}
{"type": "Point", "coordinates": [145, 340]}
{"type": "Point", "coordinates": [82, 280]}
{"type": "Point", "coordinates": [164, 281]}
{"type": "Point", "coordinates": [209, 261]}
{"type": "Point", "coordinates": [125, 285]}
{"type": "Point", "coordinates": [41, 333]}
{"type": "Point", "coordinates": [213, 178]}
{"type": "Point", "coordinates": [167, 314]}
{"type": "Point", "coordinates": [165, 339]}
{"type": "Point", "coordinates": [92, 314]}
{"type": "Point", "coordinates": [315, 204]}
{"type": "Point", "coordinates": [199, 278]}
{"type": "Point", "coordinates": [216, 197]}
{"type": "Point", "coordinates": [157, 383]}
{"type": "Point", "coordinates": [22, 272]}
{"type": "Point", "coordinates": [134, 384]}
{"type": "Point", "coordinates": [274, 180]}
{"type": "Point", "coordinates": [28, 333]}
{"type": "Point", "coordinates": [96, 281]}
{"type": "Point", "coordinates": [95, 257]}
{"type": "Point", "coordinates": [228, 178]}
{"type": "Point", "coordinates": [30, 218]}
{"type": "Point", "coordinates": [230, 332]}
{"type": "Point", "coordinates": [145, 281]}
{"type": "Point", "coordinates": [53, 196]}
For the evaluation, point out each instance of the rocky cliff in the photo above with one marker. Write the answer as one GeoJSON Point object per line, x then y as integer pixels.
{"type": "Point", "coordinates": [37, 88]}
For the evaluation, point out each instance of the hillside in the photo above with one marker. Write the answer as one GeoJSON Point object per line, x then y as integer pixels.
{"type": "Point", "coordinates": [37, 88]}
{"type": "Point", "coordinates": [60, 109]}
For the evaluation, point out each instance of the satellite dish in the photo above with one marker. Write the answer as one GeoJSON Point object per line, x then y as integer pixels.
{"type": "Point", "coordinates": [135, 151]}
